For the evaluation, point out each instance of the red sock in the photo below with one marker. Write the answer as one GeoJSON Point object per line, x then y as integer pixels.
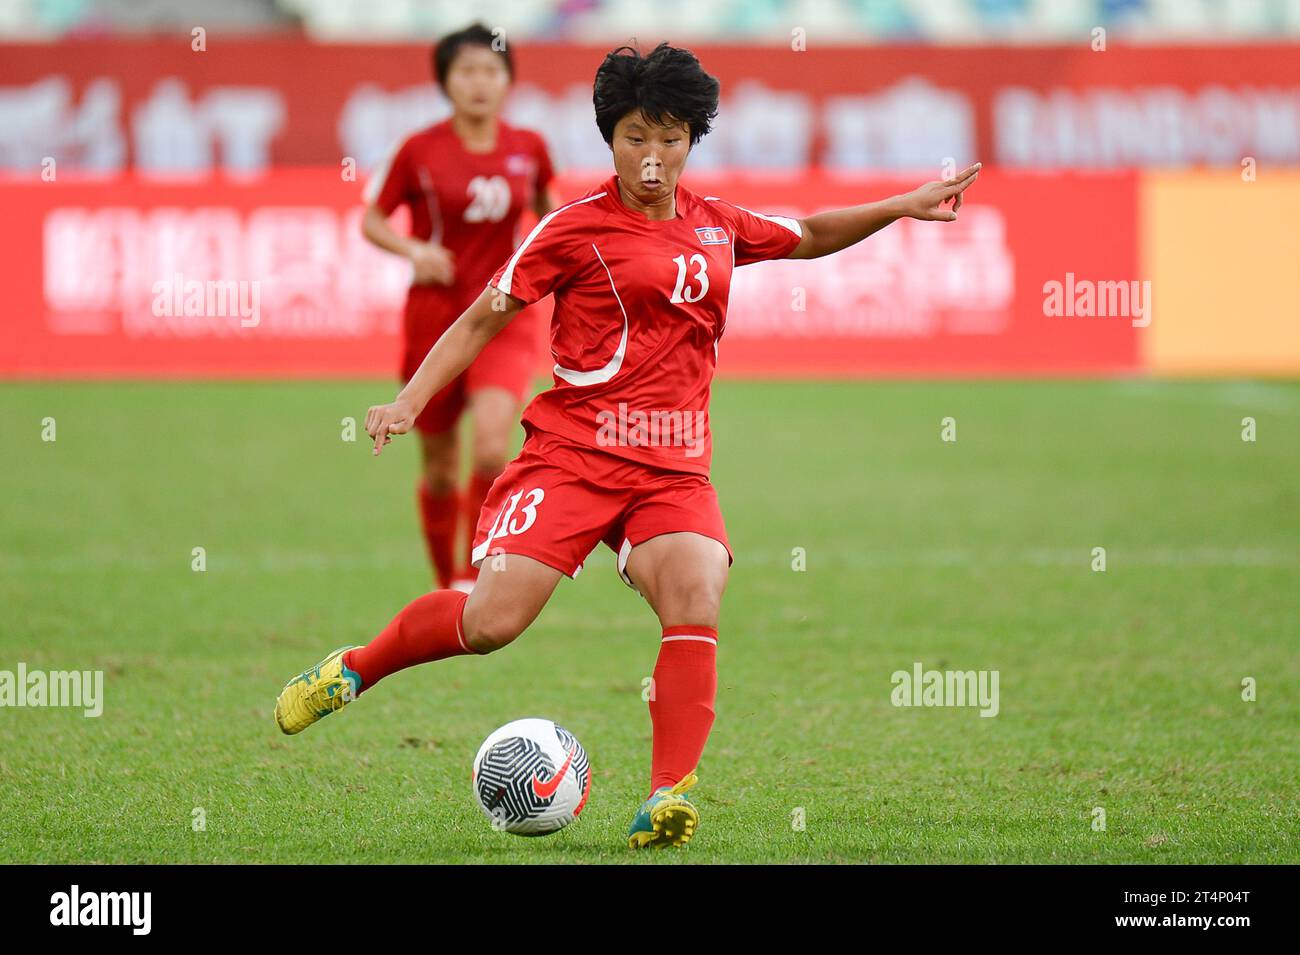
{"type": "Point", "coordinates": [475, 494]}
{"type": "Point", "coordinates": [427, 629]}
{"type": "Point", "coordinates": [438, 515]}
{"type": "Point", "coordinates": [681, 706]}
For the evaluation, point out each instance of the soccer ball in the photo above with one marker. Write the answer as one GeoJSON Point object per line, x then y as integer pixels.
{"type": "Point", "coordinates": [531, 777]}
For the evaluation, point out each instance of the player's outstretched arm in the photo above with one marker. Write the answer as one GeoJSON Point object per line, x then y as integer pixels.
{"type": "Point", "coordinates": [828, 232]}
{"type": "Point", "coordinates": [450, 355]}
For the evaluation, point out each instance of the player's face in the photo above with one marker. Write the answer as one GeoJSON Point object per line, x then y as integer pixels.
{"type": "Point", "coordinates": [648, 157]}
{"type": "Point", "coordinates": [477, 81]}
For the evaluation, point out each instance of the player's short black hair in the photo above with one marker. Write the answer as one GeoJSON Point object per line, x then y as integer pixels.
{"type": "Point", "coordinates": [668, 84]}
{"type": "Point", "coordinates": [476, 34]}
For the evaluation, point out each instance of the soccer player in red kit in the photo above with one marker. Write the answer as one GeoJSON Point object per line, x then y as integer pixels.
{"type": "Point", "coordinates": [466, 181]}
{"type": "Point", "coordinates": [618, 450]}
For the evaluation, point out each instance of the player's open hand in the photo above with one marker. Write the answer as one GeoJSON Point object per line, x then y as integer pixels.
{"type": "Point", "coordinates": [433, 264]}
{"type": "Point", "coordinates": [939, 201]}
{"type": "Point", "coordinates": [384, 421]}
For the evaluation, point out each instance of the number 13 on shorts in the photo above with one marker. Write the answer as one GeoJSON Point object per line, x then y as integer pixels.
{"type": "Point", "coordinates": [508, 522]}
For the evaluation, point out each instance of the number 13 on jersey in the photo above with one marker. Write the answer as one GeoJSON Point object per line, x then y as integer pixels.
{"type": "Point", "coordinates": [683, 291]}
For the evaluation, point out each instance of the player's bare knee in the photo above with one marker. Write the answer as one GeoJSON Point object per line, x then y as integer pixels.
{"type": "Point", "coordinates": [440, 464]}
{"type": "Point", "coordinates": [492, 626]}
{"type": "Point", "coordinates": [490, 448]}
{"type": "Point", "coordinates": [491, 638]}
{"type": "Point", "coordinates": [440, 473]}
{"type": "Point", "coordinates": [690, 600]}
{"type": "Point", "coordinates": [489, 459]}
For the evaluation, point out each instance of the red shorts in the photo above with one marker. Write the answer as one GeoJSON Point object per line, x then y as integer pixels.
{"type": "Point", "coordinates": [558, 500]}
{"type": "Point", "coordinates": [511, 360]}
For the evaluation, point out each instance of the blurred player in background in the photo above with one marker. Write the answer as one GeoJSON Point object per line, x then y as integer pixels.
{"type": "Point", "coordinates": [641, 271]}
{"type": "Point", "coordinates": [466, 181]}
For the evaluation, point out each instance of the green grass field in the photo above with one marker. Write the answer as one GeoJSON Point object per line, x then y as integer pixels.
{"type": "Point", "coordinates": [1120, 690]}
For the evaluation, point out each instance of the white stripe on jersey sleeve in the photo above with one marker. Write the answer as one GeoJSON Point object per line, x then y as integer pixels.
{"type": "Point", "coordinates": [508, 275]}
{"type": "Point", "coordinates": [791, 224]}
{"type": "Point", "coordinates": [375, 184]}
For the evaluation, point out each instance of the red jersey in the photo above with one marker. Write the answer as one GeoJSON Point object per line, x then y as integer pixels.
{"type": "Point", "coordinates": [639, 308]}
{"type": "Point", "coordinates": [468, 202]}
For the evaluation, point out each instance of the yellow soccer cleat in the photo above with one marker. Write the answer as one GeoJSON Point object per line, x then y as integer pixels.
{"type": "Point", "coordinates": [316, 692]}
{"type": "Point", "coordinates": [667, 818]}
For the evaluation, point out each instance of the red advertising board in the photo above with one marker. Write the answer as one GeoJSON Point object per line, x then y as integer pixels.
{"type": "Point", "coordinates": [253, 105]}
{"type": "Point", "coordinates": [270, 277]}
